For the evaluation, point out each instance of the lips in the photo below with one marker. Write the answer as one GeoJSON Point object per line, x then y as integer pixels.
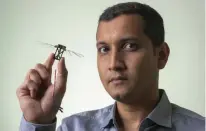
{"type": "Point", "coordinates": [118, 79]}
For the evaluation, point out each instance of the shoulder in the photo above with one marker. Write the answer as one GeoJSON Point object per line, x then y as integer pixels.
{"type": "Point", "coordinates": [183, 118]}
{"type": "Point", "coordinates": [91, 119]}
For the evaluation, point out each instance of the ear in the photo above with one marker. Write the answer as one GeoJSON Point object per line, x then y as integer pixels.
{"type": "Point", "coordinates": [163, 55]}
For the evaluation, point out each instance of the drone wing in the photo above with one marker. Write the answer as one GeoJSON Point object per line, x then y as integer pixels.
{"type": "Point", "coordinates": [44, 43]}
{"type": "Point", "coordinates": [75, 53]}
{"type": "Point", "coordinates": [56, 46]}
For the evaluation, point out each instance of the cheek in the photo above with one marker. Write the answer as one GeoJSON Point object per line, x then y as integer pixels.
{"type": "Point", "coordinates": [136, 62]}
{"type": "Point", "coordinates": [145, 67]}
{"type": "Point", "coordinates": [102, 67]}
{"type": "Point", "coordinates": [139, 67]}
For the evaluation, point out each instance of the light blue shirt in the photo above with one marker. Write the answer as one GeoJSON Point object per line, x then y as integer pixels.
{"type": "Point", "coordinates": [164, 117]}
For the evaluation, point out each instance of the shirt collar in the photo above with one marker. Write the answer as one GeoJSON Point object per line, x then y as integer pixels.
{"type": "Point", "coordinates": [161, 114]}
{"type": "Point", "coordinates": [110, 118]}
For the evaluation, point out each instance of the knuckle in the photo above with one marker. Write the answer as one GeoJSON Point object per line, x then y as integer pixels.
{"type": "Point", "coordinates": [35, 76]}
{"type": "Point", "coordinates": [31, 84]}
{"type": "Point", "coordinates": [31, 71]}
{"type": "Point", "coordinates": [19, 89]}
{"type": "Point", "coordinates": [45, 75]}
{"type": "Point", "coordinates": [41, 69]}
{"type": "Point", "coordinates": [28, 82]}
{"type": "Point", "coordinates": [39, 66]}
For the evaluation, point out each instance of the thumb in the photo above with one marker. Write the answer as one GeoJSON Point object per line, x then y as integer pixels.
{"type": "Point", "coordinates": [61, 77]}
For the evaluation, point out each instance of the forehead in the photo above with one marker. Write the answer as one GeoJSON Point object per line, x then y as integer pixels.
{"type": "Point", "coordinates": [120, 26]}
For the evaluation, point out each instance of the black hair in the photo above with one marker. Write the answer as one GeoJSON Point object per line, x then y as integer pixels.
{"type": "Point", "coordinates": [154, 25]}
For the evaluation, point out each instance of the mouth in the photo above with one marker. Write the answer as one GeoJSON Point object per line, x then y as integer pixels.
{"type": "Point", "coordinates": [118, 80]}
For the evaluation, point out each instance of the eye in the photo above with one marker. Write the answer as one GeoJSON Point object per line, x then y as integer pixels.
{"type": "Point", "coordinates": [103, 50]}
{"type": "Point", "coordinates": [130, 46]}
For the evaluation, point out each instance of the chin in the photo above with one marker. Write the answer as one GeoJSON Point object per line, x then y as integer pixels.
{"type": "Point", "coordinates": [123, 94]}
{"type": "Point", "coordinates": [119, 92]}
{"type": "Point", "coordinates": [120, 96]}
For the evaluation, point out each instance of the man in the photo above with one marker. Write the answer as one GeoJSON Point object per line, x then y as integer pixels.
{"type": "Point", "coordinates": [131, 51]}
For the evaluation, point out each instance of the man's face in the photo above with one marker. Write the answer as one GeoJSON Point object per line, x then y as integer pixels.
{"type": "Point", "coordinates": [126, 60]}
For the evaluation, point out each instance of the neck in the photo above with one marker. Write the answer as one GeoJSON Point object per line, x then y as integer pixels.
{"type": "Point", "coordinates": [131, 115]}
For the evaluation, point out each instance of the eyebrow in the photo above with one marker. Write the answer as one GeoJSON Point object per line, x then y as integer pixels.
{"type": "Point", "coordinates": [123, 39]}
{"type": "Point", "coordinates": [129, 38]}
{"type": "Point", "coordinates": [101, 43]}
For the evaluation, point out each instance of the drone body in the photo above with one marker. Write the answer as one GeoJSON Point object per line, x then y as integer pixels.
{"type": "Point", "coordinates": [59, 51]}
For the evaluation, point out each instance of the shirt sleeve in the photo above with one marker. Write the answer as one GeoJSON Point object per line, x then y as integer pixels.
{"type": "Point", "coordinates": [27, 126]}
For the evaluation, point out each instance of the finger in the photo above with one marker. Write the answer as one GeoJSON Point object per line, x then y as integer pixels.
{"type": "Point", "coordinates": [34, 76]}
{"type": "Point", "coordinates": [49, 62]}
{"type": "Point", "coordinates": [32, 87]}
{"type": "Point", "coordinates": [43, 72]}
{"type": "Point", "coordinates": [22, 91]}
{"type": "Point", "coordinates": [61, 77]}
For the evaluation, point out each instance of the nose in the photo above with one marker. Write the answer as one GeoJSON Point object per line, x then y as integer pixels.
{"type": "Point", "coordinates": [116, 61]}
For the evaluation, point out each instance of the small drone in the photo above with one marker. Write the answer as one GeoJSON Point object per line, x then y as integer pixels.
{"type": "Point", "coordinates": [60, 49]}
